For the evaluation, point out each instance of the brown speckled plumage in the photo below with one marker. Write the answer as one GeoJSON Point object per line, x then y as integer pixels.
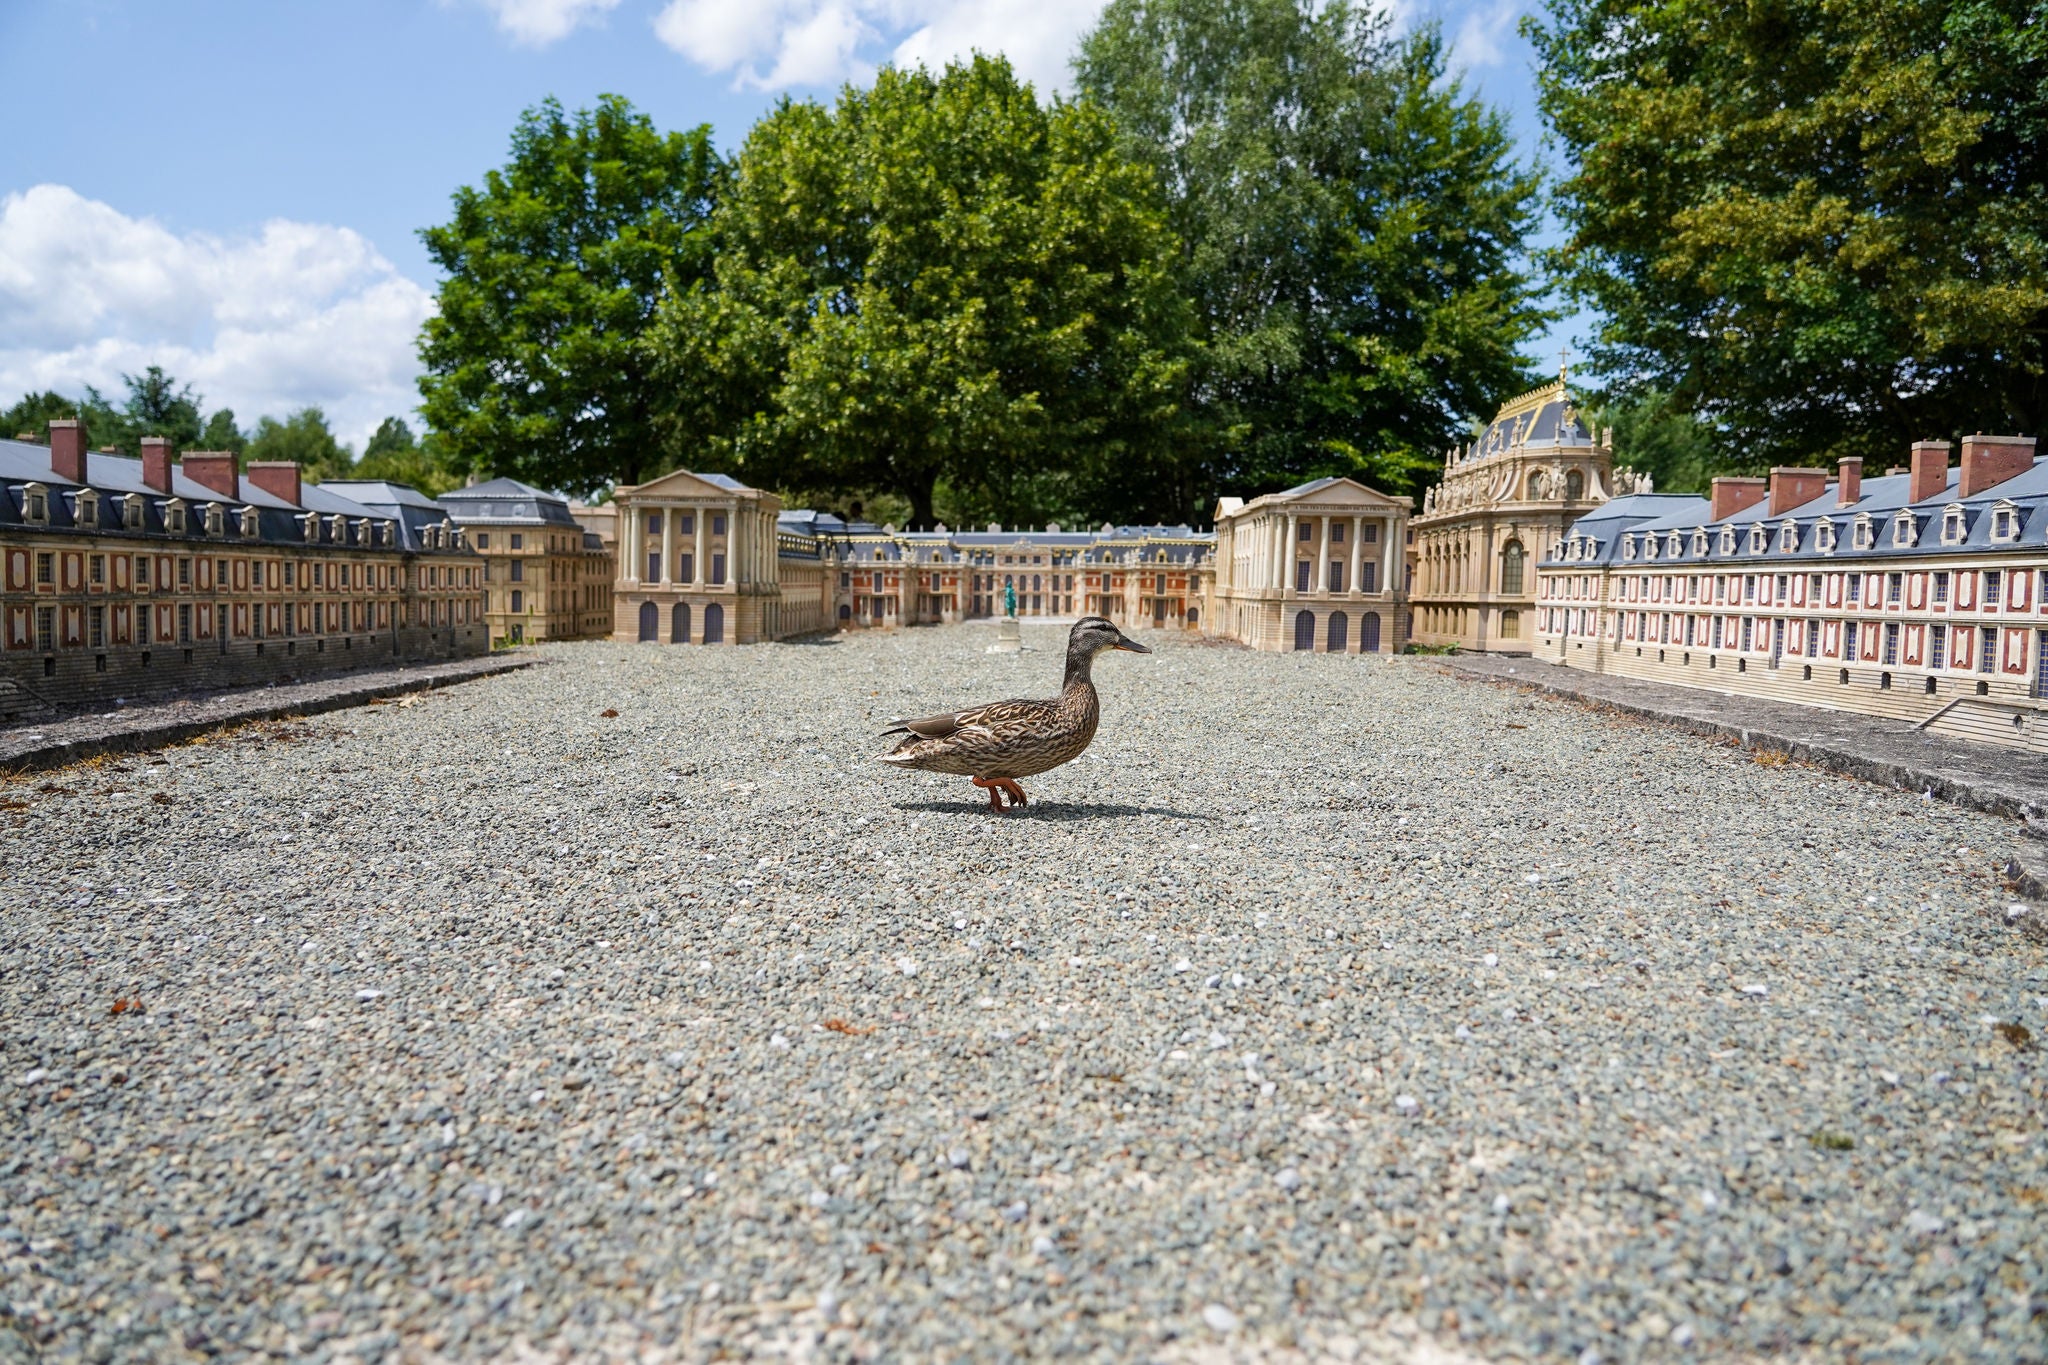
{"type": "Point", "coordinates": [1001, 741]}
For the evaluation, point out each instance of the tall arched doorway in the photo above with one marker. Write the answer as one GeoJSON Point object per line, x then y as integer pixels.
{"type": "Point", "coordinates": [714, 624]}
{"type": "Point", "coordinates": [1369, 633]}
{"type": "Point", "coordinates": [650, 623]}
{"type": "Point", "coordinates": [1305, 630]}
{"type": "Point", "coordinates": [679, 624]}
{"type": "Point", "coordinates": [1339, 634]}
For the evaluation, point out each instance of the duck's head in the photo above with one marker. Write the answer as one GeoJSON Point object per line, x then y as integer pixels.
{"type": "Point", "coordinates": [1094, 635]}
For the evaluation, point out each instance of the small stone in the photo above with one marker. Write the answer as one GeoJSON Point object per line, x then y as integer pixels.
{"type": "Point", "coordinates": [1491, 959]}
{"type": "Point", "coordinates": [958, 1158]}
{"type": "Point", "coordinates": [778, 1042]}
{"type": "Point", "coordinates": [1289, 1179]}
{"type": "Point", "coordinates": [1682, 1334]}
{"type": "Point", "coordinates": [33, 1075]}
{"type": "Point", "coordinates": [1017, 1212]}
{"type": "Point", "coordinates": [1406, 1104]}
{"type": "Point", "coordinates": [369, 993]}
{"type": "Point", "coordinates": [1756, 990]}
{"type": "Point", "coordinates": [1220, 1319]}
{"type": "Point", "coordinates": [1500, 1204]}
{"type": "Point", "coordinates": [1042, 1245]}
{"type": "Point", "coordinates": [1924, 1224]}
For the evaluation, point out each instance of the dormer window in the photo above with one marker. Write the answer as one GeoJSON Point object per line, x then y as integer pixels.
{"type": "Point", "coordinates": [1866, 534]}
{"type": "Point", "coordinates": [1904, 529]}
{"type": "Point", "coordinates": [2005, 523]}
{"type": "Point", "coordinates": [1824, 535]}
{"type": "Point", "coordinates": [309, 526]}
{"type": "Point", "coordinates": [35, 504]}
{"type": "Point", "coordinates": [1756, 539]}
{"type": "Point", "coordinates": [1650, 544]}
{"type": "Point", "coordinates": [174, 516]}
{"type": "Point", "coordinates": [1788, 537]}
{"type": "Point", "coordinates": [252, 525]}
{"type": "Point", "coordinates": [131, 512]}
{"type": "Point", "coordinates": [1699, 543]}
{"type": "Point", "coordinates": [216, 519]}
{"type": "Point", "coordinates": [1953, 526]}
{"type": "Point", "coordinates": [1727, 539]}
{"type": "Point", "coordinates": [1674, 545]}
{"type": "Point", "coordinates": [86, 509]}
{"type": "Point", "coordinates": [1628, 547]}
{"type": "Point", "coordinates": [337, 530]}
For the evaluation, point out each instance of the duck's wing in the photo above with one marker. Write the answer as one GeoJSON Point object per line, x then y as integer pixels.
{"type": "Point", "coordinates": [949, 723]}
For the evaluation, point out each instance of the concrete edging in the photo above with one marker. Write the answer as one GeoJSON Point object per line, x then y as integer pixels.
{"type": "Point", "coordinates": [299, 699]}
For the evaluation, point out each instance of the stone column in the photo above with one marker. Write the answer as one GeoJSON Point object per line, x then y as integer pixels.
{"type": "Point", "coordinates": [631, 539]}
{"type": "Point", "coordinates": [1322, 574]}
{"type": "Point", "coordinates": [668, 545]}
{"type": "Point", "coordinates": [1289, 554]}
{"type": "Point", "coordinates": [697, 567]}
{"type": "Point", "coordinates": [1357, 550]}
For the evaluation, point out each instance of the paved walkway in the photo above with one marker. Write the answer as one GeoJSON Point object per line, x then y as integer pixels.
{"type": "Point", "coordinates": [1891, 752]}
{"type": "Point", "coordinates": [52, 744]}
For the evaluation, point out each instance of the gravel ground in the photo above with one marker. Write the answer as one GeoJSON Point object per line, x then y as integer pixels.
{"type": "Point", "coordinates": [1327, 1008]}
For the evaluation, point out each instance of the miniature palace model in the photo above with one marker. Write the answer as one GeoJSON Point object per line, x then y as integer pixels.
{"type": "Point", "coordinates": [1921, 595]}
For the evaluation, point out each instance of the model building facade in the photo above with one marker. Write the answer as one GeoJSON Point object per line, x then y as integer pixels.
{"type": "Point", "coordinates": [545, 576]}
{"type": "Point", "coordinates": [130, 578]}
{"type": "Point", "coordinates": [1316, 567]}
{"type": "Point", "coordinates": [1921, 595]}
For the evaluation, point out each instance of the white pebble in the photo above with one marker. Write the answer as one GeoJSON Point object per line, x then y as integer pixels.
{"type": "Point", "coordinates": [1219, 1318]}
{"type": "Point", "coordinates": [1406, 1104]}
{"type": "Point", "coordinates": [1491, 959]}
{"type": "Point", "coordinates": [1500, 1203]}
{"type": "Point", "coordinates": [33, 1076]}
{"type": "Point", "coordinates": [369, 993]}
{"type": "Point", "coordinates": [1289, 1179]}
{"type": "Point", "coordinates": [779, 1042]}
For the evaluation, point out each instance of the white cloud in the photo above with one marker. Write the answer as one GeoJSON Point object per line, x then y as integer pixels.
{"type": "Point", "coordinates": [1484, 34]}
{"type": "Point", "coordinates": [776, 44]}
{"type": "Point", "coordinates": [297, 314]}
{"type": "Point", "coordinates": [536, 23]}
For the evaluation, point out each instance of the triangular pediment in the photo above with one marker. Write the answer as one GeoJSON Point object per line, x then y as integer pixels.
{"type": "Point", "coordinates": [1335, 492]}
{"type": "Point", "coordinates": [681, 483]}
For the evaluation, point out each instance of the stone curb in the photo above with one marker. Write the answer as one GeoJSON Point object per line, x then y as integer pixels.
{"type": "Point", "coordinates": [145, 730]}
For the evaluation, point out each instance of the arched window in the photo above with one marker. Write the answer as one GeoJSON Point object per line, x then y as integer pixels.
{"type": "Point", "coordinates": [1512, 558]}
{"type": "Point", "coordinates": [1536, 484]}
{"type": "Point", "coordinates": [1305, 630]}
{"type": "Point", "coordinates": [650, 623]}
{"type": "Point", "coordinates": [679, 624]}
{"type": "Point", "coordinates": [714, 624]}
{"type": "Point", "coordinates": [1574, 486]}
{"type": "Point", "coordinates": [1339, 633]}
{"type": "Point", "coordinates": [1369, 633]}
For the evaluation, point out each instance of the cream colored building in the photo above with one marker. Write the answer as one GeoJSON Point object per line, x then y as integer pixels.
{"type": "Point", "coordinates": [702, 561]}
{"type": "Point", "coordinates": [1316, 567]}
{"type": "Point", "coordinates": [1503, 503]}
{"type": "Point", "coordinates": [546, 578]}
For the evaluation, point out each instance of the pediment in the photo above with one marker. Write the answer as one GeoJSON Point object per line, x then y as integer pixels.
{"type": "Point", "coordinates": [681, 483]}
{"type": "Point", "coordinates": [1338, 492]}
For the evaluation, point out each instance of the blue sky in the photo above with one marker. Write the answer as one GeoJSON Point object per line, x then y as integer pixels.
{"type": "Point", "coordinates": [233, 189]}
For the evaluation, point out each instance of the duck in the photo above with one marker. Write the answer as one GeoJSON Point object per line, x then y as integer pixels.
{"type": "Point", "coordinates": [1001, 741]}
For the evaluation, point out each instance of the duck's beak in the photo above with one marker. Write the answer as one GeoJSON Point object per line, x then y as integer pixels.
{"type": "Point", "coordinates": [1126, 642]}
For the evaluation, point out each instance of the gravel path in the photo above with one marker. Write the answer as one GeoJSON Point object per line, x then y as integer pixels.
{"type": "Point", "coordinates": [1327, 1008]}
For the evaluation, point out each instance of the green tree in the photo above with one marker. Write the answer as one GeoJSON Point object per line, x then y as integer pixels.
{"type": "Point", "coordinates": [938, 286]}
{"type": "Point", "coordinates": [534, 366]}
{"type": "Point", "coordinates": [221, 433]}
{"type": "Point", "coordinates": [1821, 225]}
{"type": "Point", "coordinates": [303, 436]}
{"type": "Point", "coordinates": [30, 418]}
{"type": "Point", "coordinates": [1651, 435]}
{"type": "Point", "coordinates": [395, 455]}
{"type": "Point", "coordinates": [1351, 231]}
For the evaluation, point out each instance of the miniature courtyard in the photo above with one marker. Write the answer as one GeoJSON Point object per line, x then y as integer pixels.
{"type": "Point", "coordinates": [624, 1007]}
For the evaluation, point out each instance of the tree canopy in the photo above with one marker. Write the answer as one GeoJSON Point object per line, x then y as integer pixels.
{"type": "Point", "coordinates": [1820, 224]}
{"type": "Point", "coordinates": [303, 436]}
{"type": "Point", "coordinates": [395, 454]}
{"type": "Point", "coordinates": [941, 288]}
{"type": "Point", "coordinates": [534, 363]}
{"type": "Point", "coordinates": [1350, 231]}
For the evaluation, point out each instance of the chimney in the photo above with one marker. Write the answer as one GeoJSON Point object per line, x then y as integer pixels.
{"type": "Point", "coordinates": [1849, 482]}
{"type": "Point", "coordinates": [1732, 495]}
{"type": "Point", "coordinates": [156, 463]}
{"type": "Point", "coordinates": [1987, 460]}
{"type": "Point", "coordinates": [279, 478]}
{"type": "Point", "coordinates": [1930, 471]}
{"type": "Point", "coordinates": [215, 469]}
{"type": "Point", "coordinates": [1790, 487]}
{"type": "Point", "coordinates": [67, 449]}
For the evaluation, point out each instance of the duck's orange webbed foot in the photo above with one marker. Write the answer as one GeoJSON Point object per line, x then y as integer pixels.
{"type": "Point", "coordinates": [1004, 786]}
{"type": "Point", "coordinates": [995, 802]}
{"type": "Point", "coordinates": [1015, 792]}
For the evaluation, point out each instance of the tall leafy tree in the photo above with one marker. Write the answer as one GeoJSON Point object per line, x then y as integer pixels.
{"type": "Point", "coordinates": [221, 433]}
{"type": "Point", "coordinates": [1351, 230]}
{"type": "Point", "coordinates": [30, 418]}
{"type": "Point", "coordinates": [305, 437]}
{"type": "Point", "coordinates": [395, 454]}
{"type": "Point", "coordinates": [553, 268]}
{"type": "Point", "coordinates": [938, 286]}
{"type": "Point", "coordinates": [1820, 224]}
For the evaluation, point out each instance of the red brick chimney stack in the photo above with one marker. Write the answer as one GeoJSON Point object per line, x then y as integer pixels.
{"type": "Point", "coordinates": [67, 449]}
{"type": "Point", "coordinates": [1792, 488]}
{"type": "Point", "coordinates": [1731, 495]}
{"type": "Point", "coordinates": [279, 478]}
{"type": "Point", "coordinates": [216, 469]}
{"type": "Point", "coordinates": [1849, 481]}
{"type": "Point", "coordinates": [156, 463]}
{"type": "Point", "coordinates": [1987, 461]}
{"type": "Point", "coordinates": [1930, 471]}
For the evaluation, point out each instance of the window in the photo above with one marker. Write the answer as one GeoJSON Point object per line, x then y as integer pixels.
{"type": "Point", "coordinates": [1891, 642]}
{"type": "Point", "coordinates": [46, 568]}
{"type": "Point", "coordinates": [1813, 639]}
{"type": "Point", "coordinates": [519, 571]}
{"type": "Point", "coordinates": [1574, 486]}
{"type": "Point", "coordinates": [1952, 526]}
{"type": "Point", "coordinates": [1756, 540]}
{"type": "Point", "coordinates": [96, 569]}
{"type": "Point", "coordinates": [1748, 590]}
{"type": "Point", "coordinates": [1512, 557]}
{"type": "Point", "coordinates": [718, 570]}
{"type": "Point", "coordinates": [1903, 529]}
{"type": "Point", "coordinates": [518, 541]}
{"type": "Point", "coordinates": [1337, 533]}
{"type": "Point", "coordinates": [96, 627]}
{"type": "Point", "coordinates": [2004, 524]}
{"type": "Point", "coordinates": [1849, 640]}
{"type": "Point", "coordinates": [1992, 579]}
{"type": "Point", "coordinates": [131, 513]}
{"type": "Point", "coordinates": [1894, 590]}
{"type": "Point", "coordinates": [718, 527]}
{"type": "Point", "coordinates": [184, 572]}
{"type": "Point", "coordinates": [1301, 573]}
{"type": "Point", "coordinates": [1987, 650]}
{"type": "Point", "coordinates": [38, 506]}
{"type": "Point", "coordinates": [1824, 535]}
{"type": "Point", "coordinates": [46, 629]}
{"type": "Point", "coordinates": [518, 600]}
{"type": "Point", "coordinates": [1306, 531]}
{"type": "Point", "coordinates": [1855, 587]}
{"type": "Point", "coordinates": [654, 566]}
{"type": "Point", "coordinates": [1788, 537]}
{"type": "Point", "coordinates": [654, 524]}
{"type": "Point", "coordinates": [483, 540]}
{"type": "Point", "coordinates": [1865, 537]}
{"type": "Point", "coordinates": [1937, 646]}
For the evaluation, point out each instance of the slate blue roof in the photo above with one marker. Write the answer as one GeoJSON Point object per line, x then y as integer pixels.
{"type": "Point", "coordinates": [506, 500]}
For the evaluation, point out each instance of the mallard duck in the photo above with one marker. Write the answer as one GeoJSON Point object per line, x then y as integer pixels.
{"type": "Point", "coordinates": [1002, 741]}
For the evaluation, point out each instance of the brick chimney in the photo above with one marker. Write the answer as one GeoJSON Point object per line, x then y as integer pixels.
{"type": "Point", "coordinates": [1732, 495]}
{"type": "Point", "coordinates": [1790, 487]}
{"type": "Point", "coordinates": [1930, 471]}
{"type": "Point", "coordinates": [67, 449]}
{"type": "Point", "coordinates": [156, 463]}
{"type": "Point", "coordinates": [1849, 481]}
{"type": "Point", "coordinates": [1987, 460]}
{"type": "Point", "coordinates": [279, 478]}
{"type": "Point", "coordinates": [216, 469]}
